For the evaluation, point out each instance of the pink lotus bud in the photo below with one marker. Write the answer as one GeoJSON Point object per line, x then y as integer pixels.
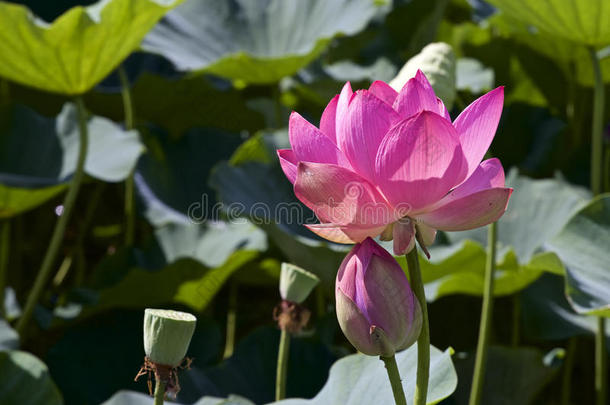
{"type": "Point", "coordinates": [377, 311]}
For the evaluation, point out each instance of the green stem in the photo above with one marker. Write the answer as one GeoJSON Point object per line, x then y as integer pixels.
{"type": "Point", "coordinates": [486, 317]}
{"type": "Point", "coordinates": [60, 226]}
{"type": "Point", "coordinates": [394, 376]}
{"type": "Point", "coordinates": [231, 321]}
{"type": "Point", "coordinates": [516, 320]}
{"type": "Point", "coordinates": [277, 104]}
{"type": "Point", "coordinates": [159, 392]}
{"type": "Point", "coordinates": [129, 181]}
{"type": "Point", "coordinates": [5, 234]}
{"type": "Point", "coordinates": [568, 366]}
{"type": "Point", "coordinates": [282, 365]}
{"type": "Point", "coordinates": [600, 361]}
{"type": "Point", "coordinates": [597, 140]}
{"type": "Point", "coordinates": [597, 144]}
{"type": "Point", "coordinates": [423, 342]}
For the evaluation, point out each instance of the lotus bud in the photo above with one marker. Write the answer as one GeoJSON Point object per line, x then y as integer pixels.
{"type": "Point", "coordinates": [167, 335]}
{"type": "Point", "coordinates": [376, 308]}
{"type": "Point", "coordinates": [437, 61]}
{"type": "Point", "coordinates": [295, 283]}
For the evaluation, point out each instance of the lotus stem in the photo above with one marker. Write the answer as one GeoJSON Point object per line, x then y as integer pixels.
{"type": "Point", "coordinates": [600, 361]}
{"type": "Point", "coordinates": [476, 390]}
{"type": "Point", "coordinates": [5, 234]}
{"type": "Point", "coordinates": [423, 342]}
{"type": "Point", "coordinates": [159, 392]}
{"type": "Point", "coordinates": [568, 366]}
{"type": "Point", "coordinates": [282, 365]}
{"type": "Point", "coordinates": [231, 321]}
{"type": "Point", "coordinates": [597, 145]}
{"type": "Point", "coordinates": [597, 140]}
{"type": "Point", "coordinates": [61, 224]}
{"type": "Point", "coordinates": [514, 341]}
{"type": "Point", "coordinates": [394, 376]}
{"type": "Point", "coordinates": [129, 181]}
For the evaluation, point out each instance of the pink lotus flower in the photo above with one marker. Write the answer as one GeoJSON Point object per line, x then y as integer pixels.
{"type": "Point", "coordinates": [391, 164]}
{"type": "Point", "coordinates": [376, 307]}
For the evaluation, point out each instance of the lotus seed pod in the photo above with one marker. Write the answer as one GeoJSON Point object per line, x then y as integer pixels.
{"type": "Point", "coordinates": [167, 335]}
{"type": "Point", "coordinates": [437, 61]}
{"type": "Point", "coordinates": [295, 283]}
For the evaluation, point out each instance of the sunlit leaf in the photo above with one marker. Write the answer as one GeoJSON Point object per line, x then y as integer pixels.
{"type": "Point", "coordinates": [571, 57]}
{"type": "Point", "coordinates": [460, 269]}
{"type": "Point", "coordinates": [112, 152]}
{"type": "Point", "coordinates": [15, 200]}
{"type": "Point", "coordinates": [79, 48]}
{"type": "Point", "coordinates": [583, 245]}
{"type": "Point", "coordinates": [585, 22]}
{"type": "Point", "coordinates": [184, 281]}
{"type": "Point", "coordinates": [257, 41]}
{"type": "Point", "coordinates": [26, 380]}
{"type": "Point", "coordinates": [359, 379]}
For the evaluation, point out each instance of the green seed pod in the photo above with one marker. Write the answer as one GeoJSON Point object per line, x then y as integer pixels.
{"type": "Point", "coordinates": [167, 335]}
{"type": "Point", "coordinates": [437, 61]}
{"type": "Point", "coordinates": [295, 283]}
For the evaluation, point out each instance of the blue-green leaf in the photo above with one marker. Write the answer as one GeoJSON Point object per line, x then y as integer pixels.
{"type": "Point", "coordinates": [254, 41]}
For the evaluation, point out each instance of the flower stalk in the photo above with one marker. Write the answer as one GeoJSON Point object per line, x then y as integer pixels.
{"type": "Point", "coordinates": [60, 226]}
{"type": "Point", "coordinates": [597, 148]}
{"type": "Point", "coordinates": [282, 365]}
{"type": "Point", "coordinates": [476, 389]}
{"type": "Point", "coordinates": [394, 376]}
{"type": "Point", "coordinates": [129, 181]}
{"type": "Point", "coordinates": [423, 342]}
{"type": "Point", "coordinates": [159, 396]}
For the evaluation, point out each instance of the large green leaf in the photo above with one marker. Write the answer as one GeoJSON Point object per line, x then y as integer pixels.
{"type": "Point", "coordinates": [112, 152]}
{"type": "Point", "coordinates": [571, 57]}
{"type": "Point", "coordinates": [250, 371]}
{"type": "Point", "coordinates": [543, 205]}
{"type": "Point", "coordinates": [547, 314]}
{"type": "Point", "coordinates": [26, 380]}
{"type": "Point", "coordinates": [79, 48]}
{"type": "Point", "coordinates": [537, 210]}
{"type": "Point", "coordinates": [513, 375]}
{"type": "Point", "coordinates": [15, 200]}
{"type": "Point", "coordinates": [360, 379]}
{"type": "Point", "coordinates": [255, 41]}
{"type": "Point", "coordinates": [582, 21]}
{"type": "Point", "coordinates": [179, 104]}
{"type": "Point", "coordinates": [184, 281]}
{"type": "Point", "coordinates": [38, 154]}
{"type": "Point", "coordinates": [583, 245]}
{"type": "Point", "coordinates": [253, 181]}
{"type": "Point", "coordinates": [460, 269]}
{"type": "Point", "coordinates": [172, 177]}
